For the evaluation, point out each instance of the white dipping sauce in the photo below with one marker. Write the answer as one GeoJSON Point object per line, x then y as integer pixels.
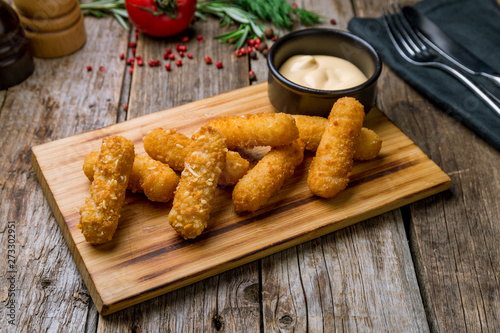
{"type": "Point", "coordinates": [322, 72]}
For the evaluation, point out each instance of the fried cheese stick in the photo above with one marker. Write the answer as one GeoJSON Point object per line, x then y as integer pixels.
{"type": "Point", "coordinates": [171, 147]}
{"type": "Point", "coordinates": [203, 166]}
{"type": "Point", "coordinates": [99, 217]}
{"type": "Point", "coordinates": [331, 167]}
{"type": "Point", "coordinates": [311, 129]}
{"type": "Point", "coordinates": [167, 146]}
{"type": "Point", "coordinates": [153, 178]}
{"type": "Point", "coordinates": [262, 129]}
{"type": "Point", "coordinates": [267, 176]}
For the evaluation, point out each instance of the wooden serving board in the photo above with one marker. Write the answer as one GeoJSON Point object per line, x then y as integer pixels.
{"type": "Point", "coordinates": [146, 258]}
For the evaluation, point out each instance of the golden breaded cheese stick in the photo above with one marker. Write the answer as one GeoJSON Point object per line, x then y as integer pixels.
{"type": "Point", "coordinates": [156, 180]}
{"type": "Point", "coordinates": [167, 146]}
{"type": "Point", "coordinates": [99, 217]}
{"type": "Point", "coordinates": [262, 129]}
{"type": "Point", "coordinates": [234, 169]}
{"type": "Point", "coordinates": [267, 176]}
{"type": "Point", "coordinates": [368, 145]}
{"type": "Point", "coordinates": [171, 147]}
{"type": "Point", "coordinates": [311, 130]}
{"type": "Point", "coordinates": [203, 165]}
{"type": "Point", "coordinates": [331, 167]}
{"type": "Point", "coordinates": [153, 178]}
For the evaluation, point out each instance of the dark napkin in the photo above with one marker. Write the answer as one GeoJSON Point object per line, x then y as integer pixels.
{"type": "Point", "coordinates": [475, 24]}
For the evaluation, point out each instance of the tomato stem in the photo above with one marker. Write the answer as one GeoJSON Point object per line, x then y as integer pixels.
{"type": "Point", "coordinates": [167, 7]}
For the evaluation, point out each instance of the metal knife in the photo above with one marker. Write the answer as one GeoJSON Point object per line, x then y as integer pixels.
{"type": "Point", "coordinates": [447, 47]}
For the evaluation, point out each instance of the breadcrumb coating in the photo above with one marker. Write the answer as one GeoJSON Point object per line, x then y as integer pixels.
{"type": "Point", "coordinates": [99, 217]}
{"type": "Point", "coordinates": [153, 178]}
{"type": "Point", "coordinates": [311, 130]}
{"type": "Point", "coordinates": [368, 145]}
{"type": "Point", "coordinates": [331, 167]}
{"type": "Point", "coordinates": [171, 147]}
{"type": "Point", "coordinates": [267, 176]}
{"type": "Point", "coordinates": [262, 129]}
{"type": "Point", "coordinates": [203, 165]}
{"type": "Point", "coordinates": [234, 169]}
{"type": "Point", "coordinates": [167, 146]}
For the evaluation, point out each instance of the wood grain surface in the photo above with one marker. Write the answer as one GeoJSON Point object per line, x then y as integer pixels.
{"type": "Point", "coordinates": [146, 258]}
{"type": "Point", "coordinates": [430, 266]}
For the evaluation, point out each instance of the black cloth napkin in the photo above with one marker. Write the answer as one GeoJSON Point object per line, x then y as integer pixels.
{"type": "Point", "coordinates": [475, 24]}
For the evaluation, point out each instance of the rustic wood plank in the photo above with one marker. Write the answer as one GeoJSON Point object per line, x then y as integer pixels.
{"type": "Point", "coordinates": [356, 279]}
{"type": "Point", "coordinates": [148, 257]}
{"type": "Point", "coordinates": [60, 99]}
{"type": "Point", "coordinates": [453, 236]}
{"type": "Point", "coordinates": [336, 283]}
{"type": "Point", "coordinates": [210, 304]}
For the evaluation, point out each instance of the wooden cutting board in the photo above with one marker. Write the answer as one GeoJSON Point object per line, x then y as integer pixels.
{"type": "Point", "coordinates": [146, 258]}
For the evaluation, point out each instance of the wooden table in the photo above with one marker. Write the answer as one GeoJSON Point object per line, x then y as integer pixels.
{"type": "Point", "coordinates": [431, 266]}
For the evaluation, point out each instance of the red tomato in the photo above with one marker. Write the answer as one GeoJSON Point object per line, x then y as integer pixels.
{"type": "Point", "coordinates": [139, 12]}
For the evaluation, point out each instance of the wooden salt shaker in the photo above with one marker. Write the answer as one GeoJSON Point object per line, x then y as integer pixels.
{"type": "Point", "coordinates": [54, 27]}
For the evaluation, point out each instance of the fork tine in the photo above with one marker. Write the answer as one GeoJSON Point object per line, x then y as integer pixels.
{"type": "Point", "coordinates": [389, 26]}
{"type": "Point", "coordinates": [406, 39]}
{"type": "Point", "coordinates": [394, 32]}
{"type": "Point", "coordinates": [413, 36]}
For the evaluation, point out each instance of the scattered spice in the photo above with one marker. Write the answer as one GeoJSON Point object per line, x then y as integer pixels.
{"type": "Point", "coordinates": [125, 107]}
{"type": "Point", "coordinates": [122, 56]}
{"type": "Point", "coordinates": [208, 60]}
{"type": "Point", "coordinates": [269, 32]}
{"type": "Point", "coordinates": [89, 68]}
{"type": "Point", "coordinates": [251, 75]}
{"type": "Point", "coordinates": [101, 69]}
{"type": "Point", "coordinates": [189, 55]}
{"type": "Point", "coordinates": [333, 21]}
{"type": "Point", "coordinates": [168, 67]}
{"type": "Point", "coordinates": [219, 64]}
{"type": "Point", "coordinates": [185, 39]}
{"type": "Point", "coordinates": [178, 63]}
{"type": "Point", "coordinates": [262, 46]}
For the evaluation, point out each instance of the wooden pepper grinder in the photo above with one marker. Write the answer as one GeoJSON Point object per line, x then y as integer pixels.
{"type": "Point", "coordinates": [16, 62]}
{"type": "Point", "coordinates": [54, 27]}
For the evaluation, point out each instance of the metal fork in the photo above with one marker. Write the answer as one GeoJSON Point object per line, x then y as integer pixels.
{"type": "Point", "coordinates": [413, 50]}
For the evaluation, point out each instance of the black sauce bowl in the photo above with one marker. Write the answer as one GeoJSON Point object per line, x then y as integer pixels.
{"type": "Point", "coordinates": [292, 98]}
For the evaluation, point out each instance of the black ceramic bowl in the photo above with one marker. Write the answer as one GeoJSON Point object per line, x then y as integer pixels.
{"type": "Point", "coordinates": [290, 97]}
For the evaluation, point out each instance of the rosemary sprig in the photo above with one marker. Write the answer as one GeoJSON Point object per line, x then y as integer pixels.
{"type": "Point", "coordinates": [280, 12]}
{"type": "Point", "coordinates": [248, 12]}
{"type": "Point", "coordinates": [230, 14]}
{"type": "Point", "coordinates": [101, 8]}
{"type": "Point", "coordinates": [245, 13]}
